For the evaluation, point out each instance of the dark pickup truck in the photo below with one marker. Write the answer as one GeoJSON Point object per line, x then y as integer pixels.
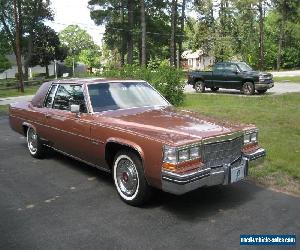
{"type": "Point", "coordinates": [231, 75]}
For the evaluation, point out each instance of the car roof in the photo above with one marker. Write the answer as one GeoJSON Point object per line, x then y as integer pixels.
{"type": "Point", "coordinates": [93, 80]}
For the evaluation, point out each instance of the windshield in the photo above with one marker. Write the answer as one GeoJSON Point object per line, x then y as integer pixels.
{"type": "Point", "coordinates": [244, 67]}
{"type": "Point", "coordinates": [124, 95]}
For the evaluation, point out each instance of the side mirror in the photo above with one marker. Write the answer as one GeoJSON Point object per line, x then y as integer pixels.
{"type": "Point", "coordinates": [75, 109]}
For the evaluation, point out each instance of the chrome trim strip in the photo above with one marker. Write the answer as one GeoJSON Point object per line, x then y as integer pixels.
{"type": "Point", "coordinates": [222, 138]}
{"type": "Point", "coordinates": [68, 132]}
{"type": "Point", "coordinates": [186, 175]}
{"type": "Point", "coordinates": [79, 159]}
{"type": "Point", "coordinates": [107, 126]}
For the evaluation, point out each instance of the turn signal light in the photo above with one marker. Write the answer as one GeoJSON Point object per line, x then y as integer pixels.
{"type": "Point", "coordinates": [184, 166]}
{"type": "Point", "coordinates": [248, 148]}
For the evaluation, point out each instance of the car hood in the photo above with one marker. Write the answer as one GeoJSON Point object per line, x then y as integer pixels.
{"type": "Point", "coordinates": [168, 124]}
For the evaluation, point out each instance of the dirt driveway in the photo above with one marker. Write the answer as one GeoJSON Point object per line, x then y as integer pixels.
{"type": "Point", "coordinates": [279, 88]}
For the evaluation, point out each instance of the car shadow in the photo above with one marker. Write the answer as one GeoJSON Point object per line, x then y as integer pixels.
{"type": "Point", "coordinates": [79, 166]}
{"type": "Point", "coordinates": [207, 201]}
{"type": "Point", "coordinates": [235, 92]}
{"type": "Point", "coordinates": [198, 204]}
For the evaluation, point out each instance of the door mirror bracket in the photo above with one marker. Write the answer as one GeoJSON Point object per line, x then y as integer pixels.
{"type": "Point", "coordinates": [75, 109]}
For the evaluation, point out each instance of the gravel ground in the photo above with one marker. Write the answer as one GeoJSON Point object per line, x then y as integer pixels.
{"type": "Point", "coordinates": [279, 88]}
{"type": "Point", "coordinates": [286, 73]}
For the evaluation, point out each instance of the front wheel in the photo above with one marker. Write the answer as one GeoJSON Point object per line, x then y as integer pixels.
{"type": "Point", "coordinates": [248, 88]}
{"type": "Point", "coordinates": [199, 87]}
{"type": "Point", "coordinates": [129, 178]}
{"type": "Point", "coordinates": [34, 144]}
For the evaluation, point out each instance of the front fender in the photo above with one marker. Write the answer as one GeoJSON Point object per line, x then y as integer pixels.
{"type": "Point", "coordinates": [127, 143]}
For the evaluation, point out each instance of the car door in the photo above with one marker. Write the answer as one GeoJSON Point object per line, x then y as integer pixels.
{"type": "Point", "coordinates": [218, 75]}
{"type": "Point", "coordinates": [69, 132]}
{"type": "Point", "coordinates": [233, 76]}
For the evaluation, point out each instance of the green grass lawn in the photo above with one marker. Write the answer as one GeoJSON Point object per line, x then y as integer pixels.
{"type": "Point", "coordinates": [30, 90]}
{"type": "Point", "coordinates": [278, 120]}
{"type": "Point", "coordinates": [292, 79]}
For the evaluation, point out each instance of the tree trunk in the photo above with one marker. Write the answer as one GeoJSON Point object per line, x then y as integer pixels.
{"type": "Point", "coordinates": [47, 71]}
{"type": "Point", "coordinates": [181, 32]}
{"type": "Point", "coordinates": [173, 32]}
{"type": "Point", "coordinates": [123, 36]}
{"type": "Point", "coordinates": [18, 46]}
{"type": "Point", "coordinates": [28, 56]}
{"type": "Point", "coordinates": [130, 36]}
{"type": "Point", "coordinates": [261, 35]}
{"type": "Point", "coordinates": [280, 41]}
{"type": "Point", "coordinates": [143, 26]}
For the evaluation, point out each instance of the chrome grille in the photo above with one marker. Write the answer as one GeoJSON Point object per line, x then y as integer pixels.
{"type": "Point", "coordinates": [224, 152]}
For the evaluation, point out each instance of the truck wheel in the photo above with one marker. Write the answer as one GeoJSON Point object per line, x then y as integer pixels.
{"type": "Point", "coordinates": [129, 178]}
{"type": "Point", "coordinates": [248, 88]}
{"type": "Point", "coordinates": [199, 87]}
{"type": "Point", "coordinates": [261, 91]}
{"type": "Point", "coordinates": [34, 144]}
{"type": "Point", "coordinates": [214, 89]}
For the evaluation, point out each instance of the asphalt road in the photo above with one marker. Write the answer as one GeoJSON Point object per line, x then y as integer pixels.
{"type": "Point", "coordinates": [58, 203]}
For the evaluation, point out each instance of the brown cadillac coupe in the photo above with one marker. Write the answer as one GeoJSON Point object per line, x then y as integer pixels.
{"type": "Point", "coordinates": [127, 128]}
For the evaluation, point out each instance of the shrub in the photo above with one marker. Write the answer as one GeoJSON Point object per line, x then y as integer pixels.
{"type": "Point", "coordinates": [168, 80]}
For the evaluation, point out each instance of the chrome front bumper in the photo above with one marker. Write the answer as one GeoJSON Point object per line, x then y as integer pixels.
{"type": "Point", "coordinates": [261, 85]}
{"type": "Point", "coordinates": [183, 183]}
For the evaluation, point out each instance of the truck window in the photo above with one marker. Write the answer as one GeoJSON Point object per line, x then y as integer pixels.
{"type": "Point", "coordinates": [230, 67]}
{"type": "Point", "coordinates": [219, 67]}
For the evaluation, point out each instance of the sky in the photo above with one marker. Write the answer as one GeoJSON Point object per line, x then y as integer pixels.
{"type": "Point", "coordinates": [67, 12]}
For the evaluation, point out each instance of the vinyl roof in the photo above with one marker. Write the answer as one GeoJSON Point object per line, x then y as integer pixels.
{"type": "Point", "coordinates": [93, 80]}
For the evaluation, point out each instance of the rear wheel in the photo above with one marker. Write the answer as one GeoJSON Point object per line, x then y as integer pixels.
{"type": "Point", "coordinates": [214, 89]}
{"type": "Point", "coordinates": [248, 88]}
{"type": "Point", "coordinates": [34, 144]}
{"type": "Point", "coordinates": [199, 87]}
{"type": "Point", "coordinates": [129, 178]}
{"type": "Point", "coordinates": [261, 91]}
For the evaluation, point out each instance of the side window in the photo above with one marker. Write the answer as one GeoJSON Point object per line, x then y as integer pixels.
{"type": "Point", "coordinates": [50, 97]}
{"type": "Point", "coordinates": [67, 95]}
{"type": "Point", "coordinates": [231, 67]}
{"type": "Point", "coordinates": [219, 67]}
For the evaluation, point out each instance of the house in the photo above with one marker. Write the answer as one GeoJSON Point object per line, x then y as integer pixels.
{"type": "Point", "coordinates": [197, 60]}
{"type": "Point", "coordinates": [10, 73]}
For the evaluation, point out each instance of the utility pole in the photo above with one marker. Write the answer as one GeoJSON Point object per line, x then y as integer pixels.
{"type": "Point", "coordinates": [18, 46]}
{"type": "Point", "coordinates": [173, 33]}
{"type": "Point", "coordinates": [261, 34]}
{"type": "Point", "coordinates": [73, 60]}
{"type": "Point", "coordinates": [143, 26]}
{"type": "Point", "coordinates": [55, 69]}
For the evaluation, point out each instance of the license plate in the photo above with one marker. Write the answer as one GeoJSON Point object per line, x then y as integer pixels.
{"type": "Point", "coordinates": [237, 173]}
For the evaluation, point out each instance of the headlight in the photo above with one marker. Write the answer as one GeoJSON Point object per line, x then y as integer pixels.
{"type": "Point", "coordinates": [194, 152]}
{"type": "Point", "coordinates": [170, 155]}
{"type": "Point", "coordinates": [262, 78]}
{"type": "Point", "coordinates": [254, 137]}
{"type": "Point", "coordinates": [177, 155]}
{"type": "Point", "coordinates": [183, 155]}
{"type": "Point", "coordinates": [247, 138]}
{"type": "Point", "coordinates": [250, 137]}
